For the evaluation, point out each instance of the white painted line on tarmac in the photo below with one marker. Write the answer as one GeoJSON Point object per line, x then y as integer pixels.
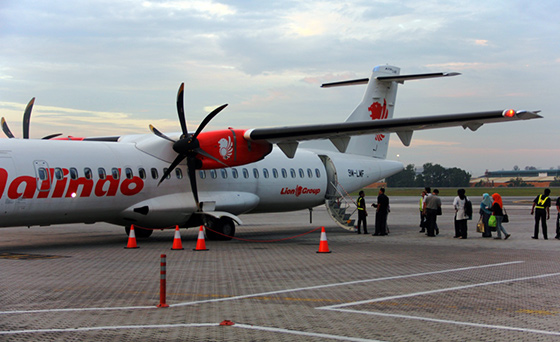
{"type": "Point", "coordinates": [436, 320]}
{"type": "Point", "coordinates": [338, 307]}
{"type": "Point", "coordinates": [262, 294]}
{"type": "Point", "coordinates": [383, 299]}
{"type": "Point", "coordinates": [304, 333]}
{"type": "Point", "coordinates": [317, 287]}
{"type": "Point", "coordinates": [188, 325]}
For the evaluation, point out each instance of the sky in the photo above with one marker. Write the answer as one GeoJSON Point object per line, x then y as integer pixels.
{"type": "Point", "coordinates": [113, 67]}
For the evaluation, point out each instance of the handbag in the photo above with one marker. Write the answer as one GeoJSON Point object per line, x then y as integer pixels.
{"type": "Point", "coordinates": [492, 221]}
{"type": "Point", "coordinates": [506, 217]}
{"type": "Point", "coordinates": [480, 226]}
{"type": "Point", "coordinates": [439, 213]}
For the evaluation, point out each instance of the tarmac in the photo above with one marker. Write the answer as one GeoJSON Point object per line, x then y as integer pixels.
{"type": "Point", "coordinates": [79, 283]}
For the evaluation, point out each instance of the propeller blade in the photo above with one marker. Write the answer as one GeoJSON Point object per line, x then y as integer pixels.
{"type": "Point", "coordinates": [159, 134]}
{"type": "Point", "coordinates": [181, 110]}
{"type": "Point", "coordinates": [173, 165]}
{"type": "Point", "coordinates": [6, 129]}
{"type": "Point", "coordinates": [207, 119]}
{"type": "Point", "coordinates": [50, 136]}
{"type": "Point", "coordinates": [27, 118]}
{"type": "Point", "coordinates": [191, 164]}
{"type": "Point", "coordinates": [208, 155]}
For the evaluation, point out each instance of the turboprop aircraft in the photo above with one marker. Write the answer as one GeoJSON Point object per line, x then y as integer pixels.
{"type": "Point", "coordinates": [157, 181]}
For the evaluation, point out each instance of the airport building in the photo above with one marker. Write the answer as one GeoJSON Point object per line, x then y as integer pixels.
{"type": "Point", "coordinates": [536, 178]}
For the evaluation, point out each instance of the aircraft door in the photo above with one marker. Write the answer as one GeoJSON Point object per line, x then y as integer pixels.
{"type": "Point", "coordinates": [332, 177]}
{"type": "Point", "coordinates": [42, 175]}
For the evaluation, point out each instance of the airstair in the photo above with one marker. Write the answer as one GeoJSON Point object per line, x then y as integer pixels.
{"type": "Point", "coordinates": [341, 207]}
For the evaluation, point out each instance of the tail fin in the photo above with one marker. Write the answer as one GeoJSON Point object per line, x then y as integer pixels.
{"type": "Point", "coordinates": [378, 103]}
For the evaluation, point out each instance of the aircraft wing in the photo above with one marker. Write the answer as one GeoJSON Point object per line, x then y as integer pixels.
{"type": "Point", "coordinates": [284, 136]}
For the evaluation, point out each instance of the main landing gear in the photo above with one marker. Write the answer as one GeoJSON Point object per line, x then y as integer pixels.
{"type": "Point", "coordinates": [220, 229]}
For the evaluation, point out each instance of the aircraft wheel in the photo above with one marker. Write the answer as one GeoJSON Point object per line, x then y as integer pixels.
{"type": "Point", "coordinates": [139, 232]}
{"type": "Point", "coordinates": [224, 226]}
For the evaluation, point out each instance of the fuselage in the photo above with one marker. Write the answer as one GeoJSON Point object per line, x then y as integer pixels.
{"type": "Point", "coordinates": [54, 182]}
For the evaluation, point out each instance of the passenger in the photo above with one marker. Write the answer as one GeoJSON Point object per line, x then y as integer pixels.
{"type": "Point", "coordinates": [485, 212]}
{"type": "Point", "coordinates": [381, 213]}
{"type": "Point", "coordinates": [460, 215]}
{"type": "Point", "coordinates": [433, 208]}
{"type": "Point", "coordinates": [362, 213]}
{"type": "Point", "coordinates": [497, 211]}
{"type": "Point", "coordinates": [558, 219]}
{"type": "Point", "coordinates": [422, 216]}
{"type": "Point", "coordinates": [542, 204]}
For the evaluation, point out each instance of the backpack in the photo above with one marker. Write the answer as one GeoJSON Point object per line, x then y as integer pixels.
{"type": "Point", "coordinates": [468, 208]}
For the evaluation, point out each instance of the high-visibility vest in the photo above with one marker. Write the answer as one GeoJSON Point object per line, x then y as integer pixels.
{"type": "Point", "coordinates": [361, 205]}
{"type": "Point", "coordinates": [541, 202]}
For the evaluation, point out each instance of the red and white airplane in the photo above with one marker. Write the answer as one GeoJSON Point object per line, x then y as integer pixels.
{"type": "Point", "coordinates": [161, 180]}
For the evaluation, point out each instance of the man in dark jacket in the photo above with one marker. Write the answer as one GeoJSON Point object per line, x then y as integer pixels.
{"type": "Point", "coordinates": [381, 214]}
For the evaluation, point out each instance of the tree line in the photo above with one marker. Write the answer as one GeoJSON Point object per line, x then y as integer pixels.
{"type": "Point", "coordinates": [432, 175]}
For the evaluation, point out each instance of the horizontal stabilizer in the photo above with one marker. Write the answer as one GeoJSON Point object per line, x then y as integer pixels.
{"type": "Point", "coordinates": [396, 78]}
{"type": "Point", "coordinates": [402, 78]}
{"type": "Point", "coordinates": [345, 83]}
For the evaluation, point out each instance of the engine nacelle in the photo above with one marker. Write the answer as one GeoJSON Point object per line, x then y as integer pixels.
{"type": "Point", "coordinates": [230, 147]}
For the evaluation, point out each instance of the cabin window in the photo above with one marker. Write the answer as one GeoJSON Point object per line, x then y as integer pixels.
{"type": "Point", "coordinates": [43, 174]}
{"type": "Point", "coordinates": [115, 173]}
{"type": "Point", "coordinates": [245, 173]}
{"type": "Point", "coordinates": [317, 173]}
{"type": "Point", "coordinates": [274, 173]}
{"type": "Point", "coordinates": [309, 173]}
{"type": "Point", "coordinates": [213, 174]}
{"type": "Point", "coordinates": [101, 172]}
{"type": "Point", "coordinates": [179, 173]}
{"type": "Point", "coordinates": [265, 173]}
{"type": "Point", "coordinates": [165, 171]}
{"type": "Point", "coordinates": [202, 174]}
{"type": "Point", "coordinates": [224, 173]}
{"type": "Point", "coordinates": [142, 173]}
{"type": "Point", "coordinates": [128, 173]}
{"type": "Point", "coordinates": [301, 173]}
{"type": "Point", "coordinates": [284, 173]}
{"type": "Point", "coordinates": [87, 173]}
{"type": "Point", "coordinates": [73, 173]}
{"type": "Point", "coordinates": [154, 173]}
{"type": "Point", "coordinates": [256, 173]}
{"type": "Point", "coordinates": [293, 173]}
{"type": "Point", "coordinates": [234, 173]}
{"type": "Point", "coordinates": [58, 174]}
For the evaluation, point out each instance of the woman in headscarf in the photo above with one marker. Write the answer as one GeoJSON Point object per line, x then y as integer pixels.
{"type": "Point", "coordinates": [497, 211]}
{"type": "Point", "coordinates": [485, 212]}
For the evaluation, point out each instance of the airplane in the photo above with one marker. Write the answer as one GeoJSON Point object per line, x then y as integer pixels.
{"type": "Point", "coordinates": [185, 179]}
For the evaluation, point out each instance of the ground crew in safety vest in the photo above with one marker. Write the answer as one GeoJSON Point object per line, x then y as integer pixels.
{"type": "Point", "coordinates": [542, 212]}
{"type": "Point", "coordinates": [362, 213]}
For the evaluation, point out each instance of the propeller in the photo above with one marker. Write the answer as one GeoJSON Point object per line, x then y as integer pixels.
{"type": "Point", "coordinates": [188, 146]}
{"type": "Point", "coordinates": [26, 121]}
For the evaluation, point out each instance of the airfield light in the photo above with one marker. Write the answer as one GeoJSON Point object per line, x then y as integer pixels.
{"type": "Point", "coordinates": [510, 113]}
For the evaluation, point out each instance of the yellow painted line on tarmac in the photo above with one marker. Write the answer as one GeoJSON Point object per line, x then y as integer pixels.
{"type": "Point", "coordinates": [538, 312]}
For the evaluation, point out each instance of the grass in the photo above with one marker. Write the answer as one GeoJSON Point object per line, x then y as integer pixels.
{"type": "Point", "coordinates": [472, 192]}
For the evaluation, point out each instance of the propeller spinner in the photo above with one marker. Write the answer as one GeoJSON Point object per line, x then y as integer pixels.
{"type": "Point", "coordinates": [188, 146]}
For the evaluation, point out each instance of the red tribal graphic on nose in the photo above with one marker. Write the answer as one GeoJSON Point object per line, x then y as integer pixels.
{"type": "Point", "coordinates": [379, 112]}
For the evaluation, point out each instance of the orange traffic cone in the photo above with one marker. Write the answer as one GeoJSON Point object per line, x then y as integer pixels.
{"type": "Point", "coordinates": [323, 245]}
{"type": "Point", "coordinates": [177, 244]}
{"type": "Point", "coordinates": [131, 238]}
{"type": "Point", "coordinates": [200, 243]}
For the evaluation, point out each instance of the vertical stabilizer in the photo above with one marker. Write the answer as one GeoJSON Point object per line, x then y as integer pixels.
{"type": "Point", "coordinates": [378, 103]}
